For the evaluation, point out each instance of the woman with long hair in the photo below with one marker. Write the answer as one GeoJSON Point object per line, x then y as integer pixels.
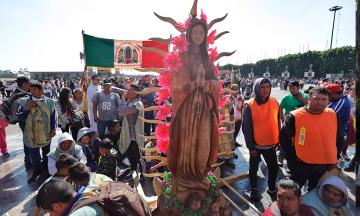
{"type": "Point", "coordinates": [64, 107]}
{"type": "Point", "coordinates": [80, 102]}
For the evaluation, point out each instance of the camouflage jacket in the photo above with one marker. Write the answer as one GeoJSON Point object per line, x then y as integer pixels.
{"type": "Point", "coordinates": [108, 164]}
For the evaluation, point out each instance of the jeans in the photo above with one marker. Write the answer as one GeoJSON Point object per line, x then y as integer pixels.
{"type": "Point", "coordinates": [147, 126]}
{"type": "Point", "coordinates": [26, 149]}
{"type": "Point", "coordinates": [101, 126]}
{"type": "Point", "coordinates": [242, 90]}
{"type": "Point", "coordinates": [54, 93]}
{"type": "Point", "coordinates": [36, 157]}
{"type": "Point", "coordinates": [48, 94]}
{"type": "Point", "coordinates": [273, 168]}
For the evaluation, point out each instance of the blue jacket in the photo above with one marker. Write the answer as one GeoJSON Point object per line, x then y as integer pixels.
{"type": "Point", "coordinates": [342, 108]}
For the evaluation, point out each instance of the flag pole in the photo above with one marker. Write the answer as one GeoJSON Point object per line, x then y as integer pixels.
{"type": "Point", "coordinates": [85, 74]}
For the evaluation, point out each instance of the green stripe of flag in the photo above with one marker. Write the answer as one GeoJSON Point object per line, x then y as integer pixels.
{"type": "Point", "coordinates": [99, 51]}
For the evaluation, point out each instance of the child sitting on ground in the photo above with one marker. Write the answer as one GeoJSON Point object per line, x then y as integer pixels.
{"type": "Point", "coordinates": [151, 162]}
{"type": "Point", "coordinates": [89, 141]}
{"type": "Point", "coordinates": [62, 165]}
{"type": "Point", "coordinates": [108, 159]}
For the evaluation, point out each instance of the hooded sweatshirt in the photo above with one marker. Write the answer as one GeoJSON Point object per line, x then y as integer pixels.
{"type": "Point", "coordinates": [91, 151]}
{"type": "Point", "coordinates": [247, 121]}
{"type": "Point", "coordinates": [75, 151]}
{"type": "Point", "coordinates": [318, 206]}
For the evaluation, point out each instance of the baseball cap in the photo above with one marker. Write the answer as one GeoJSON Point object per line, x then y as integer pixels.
{"type": "Point", "coordinates": [107, 82]}
{"type": "Point", "coordinates": [333, 88]}
{"type": "Point", "coordinates": [294, 83]}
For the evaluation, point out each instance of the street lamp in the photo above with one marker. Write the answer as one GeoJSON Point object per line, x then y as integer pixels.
{"type": "Point", "coordinates": [335, 8]}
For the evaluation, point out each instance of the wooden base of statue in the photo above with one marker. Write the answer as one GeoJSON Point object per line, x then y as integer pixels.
{"type": "Point", "coordinates": [191, 194]}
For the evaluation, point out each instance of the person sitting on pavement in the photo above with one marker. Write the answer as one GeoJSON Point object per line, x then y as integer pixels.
{"type": "Point", "coordinates": [289, 201]}
{"type": "Point", "coordinates": [108, 159]}
{"type": "Point", "coordinates": [331, 198]}
{"type": "Point", "coordinates": [81, 175]}
{"type": "Point", "coordinates": [62, 165]}
{"type": "Point", "coordinates": [152, 163]}
{"type": "Point", "coordinates": [66, 145]}
{"type": "Point", "coordinates": [312, 140]}
{"type": "Point", "coordinates": [89, 141]}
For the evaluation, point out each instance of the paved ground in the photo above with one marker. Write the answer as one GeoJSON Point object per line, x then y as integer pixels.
{"type": "Point", "coordinates": [18, 198]}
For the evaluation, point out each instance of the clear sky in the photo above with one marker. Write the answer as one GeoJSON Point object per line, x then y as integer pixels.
{"type": "Point", "coordinates": [46, 34]}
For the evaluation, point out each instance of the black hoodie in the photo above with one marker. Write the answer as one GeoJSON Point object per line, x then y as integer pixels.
{"type": "Point", "coordinates": [247, 121]}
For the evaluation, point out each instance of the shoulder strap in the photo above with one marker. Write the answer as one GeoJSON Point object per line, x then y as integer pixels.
{"type": "Point", "coordinates": [87, 201]}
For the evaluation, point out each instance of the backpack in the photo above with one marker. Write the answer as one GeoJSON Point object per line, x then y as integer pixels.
{"type": "Point", "coordinates": [118, 199]}
{"type": "Point", "coordinates": [8, 110]}
{"type": "Point", "coordinates": [78, 120]}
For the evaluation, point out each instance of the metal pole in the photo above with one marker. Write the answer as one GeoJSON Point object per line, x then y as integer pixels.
{"type": "Point", "coordinates": [332, 32]}
{"type": "Point", "coordinates": [325, 60]}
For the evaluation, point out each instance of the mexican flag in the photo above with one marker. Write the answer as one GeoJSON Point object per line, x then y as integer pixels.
{"type": "Point", "coordinates": [121, 54]}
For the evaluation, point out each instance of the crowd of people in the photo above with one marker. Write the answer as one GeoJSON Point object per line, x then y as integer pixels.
{"type": "Point", "coordinates": [101, 128]}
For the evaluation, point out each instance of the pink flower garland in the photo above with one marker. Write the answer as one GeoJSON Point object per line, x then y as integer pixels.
{"type": "Point", "coordinates": [162, 145]}
{"type": "Point", "coordinates": [213, 53]}
{"type": "Point", "coordinates": [164, 111]}
{"type": "Point", "coordinates": [165, 79]}
{"type": "Point", "coordinates": [162, 131]}
{"type": "Point", "coordinates": [203, 17]}
{"type": "Point", "coordinates": [163, 95]}
{"type": "Point", "coordinates": [211, 37]}
{"type": "Point", "coordinates": [180, 43]}
{"type": "Point", "coordinates": [172, 61]}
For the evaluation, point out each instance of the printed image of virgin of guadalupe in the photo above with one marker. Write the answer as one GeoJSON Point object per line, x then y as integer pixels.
{"type": "Point", "coordinates": [128, 55]}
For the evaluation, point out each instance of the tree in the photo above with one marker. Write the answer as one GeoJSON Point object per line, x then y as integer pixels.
{"type": "Point", "coordinates": [337, 60]}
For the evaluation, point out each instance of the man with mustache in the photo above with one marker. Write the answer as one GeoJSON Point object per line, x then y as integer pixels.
{"type": "Point", "coordinates": [312, 140]}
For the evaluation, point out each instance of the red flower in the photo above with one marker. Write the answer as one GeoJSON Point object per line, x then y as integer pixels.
{"type": "Point", "coordinates": [211, 37]}
{"type": "Point", "coordinates": [184, 25]}
{"type": "Point", "coordinates": [222, 101]}
{"type": "Point", "coordinates": [220, 129]}
{"type": "Point", "coordinates": [221, 83]}
{"type": "Point", "coordinates": [203, 16]}
{"type": "Point", "coordinates": [180, 43]}
{"type": "Point", "coordinates": [165, 79]}
{"type": "Point", "coordinates": [217, 69]}
{"type": "Point", "coordinates": [164, 111]}
{"type": "Point", "coordinates": [162, 131]}
{"type": "Point", "coordinates": [162, 145]}
{"type": "Point", "coordinates": [163, 95]}
{"type": "Point", "coordinates": [172, 61]}
{"type": "Point", "coordinates": [213, 53]}
{"type": "Point", "coordinates": [223, 116]}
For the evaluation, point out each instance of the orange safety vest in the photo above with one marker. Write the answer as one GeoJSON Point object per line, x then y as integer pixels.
{"type": "Point", "coordinates": [315, 136]}
{"type": "Point", "coordinates": [265, 121]}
